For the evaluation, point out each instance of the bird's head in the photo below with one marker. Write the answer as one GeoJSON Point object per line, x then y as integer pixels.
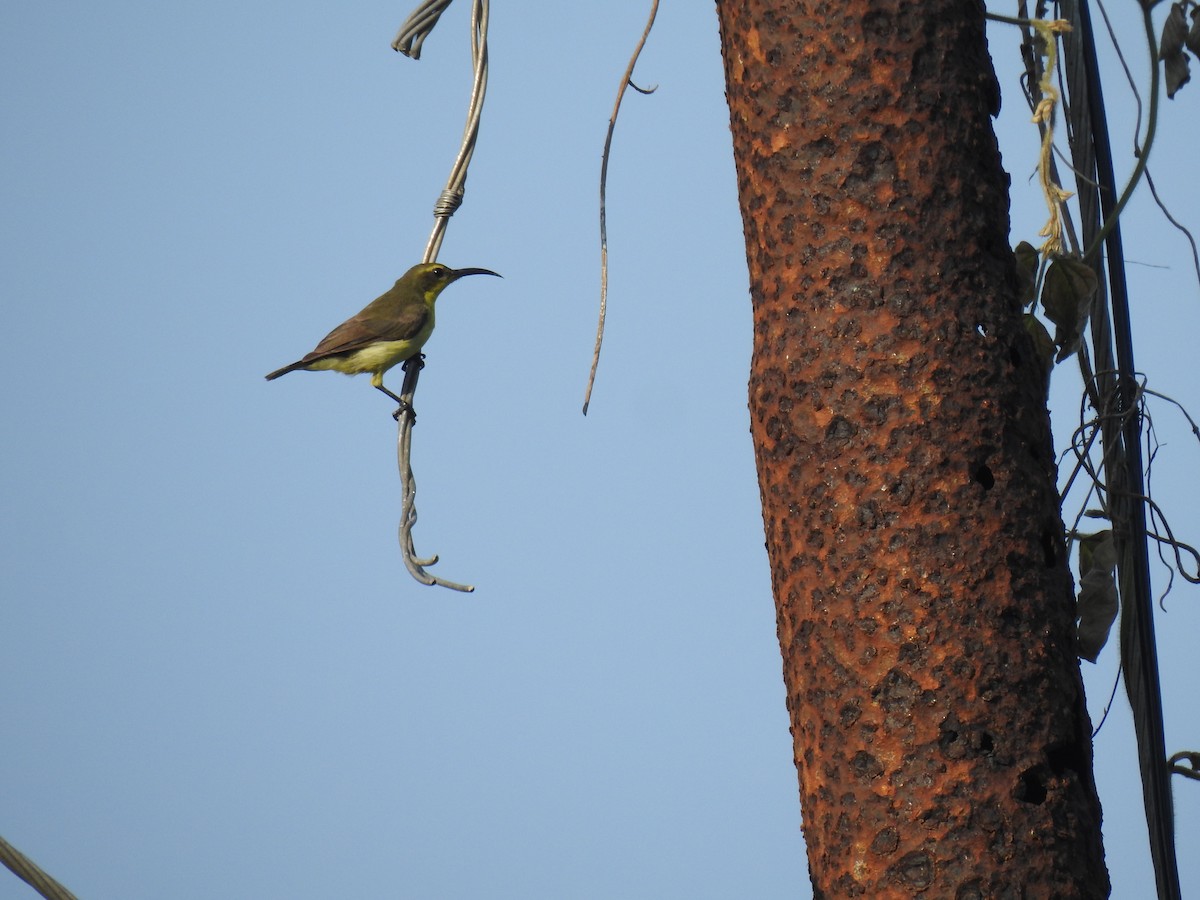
{"type": "Point", "coordinates": [430, 279]}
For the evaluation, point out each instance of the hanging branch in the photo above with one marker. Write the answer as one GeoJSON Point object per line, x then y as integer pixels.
{"type": "Point", "coordinates": [408, 41]}
{"type": "Point", "coordinates": [626, 81]}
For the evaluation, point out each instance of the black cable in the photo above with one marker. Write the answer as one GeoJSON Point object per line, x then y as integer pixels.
{"type": "Point", "coordinates": [1127, 490]}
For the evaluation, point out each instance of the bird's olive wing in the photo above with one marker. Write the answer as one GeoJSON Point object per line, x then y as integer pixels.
{"type": "Point", "coordinates": [373, 325]}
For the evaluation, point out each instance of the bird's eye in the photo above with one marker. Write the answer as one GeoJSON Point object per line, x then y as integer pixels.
{"type": "Point", "coordinates": [439, 272]}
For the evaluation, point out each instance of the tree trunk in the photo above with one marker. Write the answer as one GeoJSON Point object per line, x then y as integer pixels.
{"type": "Point", "coordinates": [925, 607]}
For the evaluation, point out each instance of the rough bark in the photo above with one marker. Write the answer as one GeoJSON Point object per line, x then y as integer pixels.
{"type": "Point", "coordinates": [925, 608]}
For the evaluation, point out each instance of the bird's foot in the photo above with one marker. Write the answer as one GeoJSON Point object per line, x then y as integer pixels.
{"type": "Point", "coordinates": [403, 406]}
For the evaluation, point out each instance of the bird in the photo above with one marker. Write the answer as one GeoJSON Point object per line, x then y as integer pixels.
{"type": "Point", "coordinates": [390, 329]}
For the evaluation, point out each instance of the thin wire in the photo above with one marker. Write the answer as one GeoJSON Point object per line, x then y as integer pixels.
{"type": "Point", "coordinates": [408, 41]}
{"type": "Point", "coordinates": [29, 872]}
{"type": "Point", "coordinates": [626, 81]}
{"type": "Point", "coordinates": [1178, 225]}
{"type": "Point", "coordinates": [417, 26]}
{"type": "Point", "coordinates": [456, 184]}
{"type": "Point", "coordinates": [1142, 150]}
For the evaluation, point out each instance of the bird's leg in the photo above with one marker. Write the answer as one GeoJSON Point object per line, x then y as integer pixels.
{"type": "Point", "coordinates": [419, 361]}
{"type": "Point", "coordinates": [400, 402]}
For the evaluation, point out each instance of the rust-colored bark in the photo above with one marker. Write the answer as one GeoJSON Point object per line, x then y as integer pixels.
{"type": "Point", "coordinates": [924, 604]}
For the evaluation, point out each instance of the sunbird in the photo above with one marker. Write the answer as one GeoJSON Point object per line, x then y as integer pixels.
{"type": "Point", "coordinates": [390, 329]}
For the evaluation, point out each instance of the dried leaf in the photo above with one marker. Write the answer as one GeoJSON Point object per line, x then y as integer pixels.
{"type": "Point", "coordinates": [1097, 551]}
{"type": "Point", "coordinates": [1174, 33]}
{"type": "Point", "coordinates": [1177, 73]}
{"type": "Point", "coordinates": [1067, 299]}
{"type": "Point", "coordinates": [1170, 49]}
{"type": "Point", "coordinates": [1096, 609]}
{"type": "Point", "coordinates": [1027, 266]}
{"type": "Point", "coordinates": [1043, 344]}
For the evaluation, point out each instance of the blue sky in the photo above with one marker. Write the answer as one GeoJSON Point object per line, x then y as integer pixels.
{"type": "Point", "coordinates": [219, 679]}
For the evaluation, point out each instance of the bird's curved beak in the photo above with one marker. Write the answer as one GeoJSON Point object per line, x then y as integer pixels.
{"type": "Point", "coordinates": [459, 273]}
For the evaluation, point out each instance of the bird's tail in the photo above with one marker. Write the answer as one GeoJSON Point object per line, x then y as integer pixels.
{"type": "Point", "coordinates": [299, 364]}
